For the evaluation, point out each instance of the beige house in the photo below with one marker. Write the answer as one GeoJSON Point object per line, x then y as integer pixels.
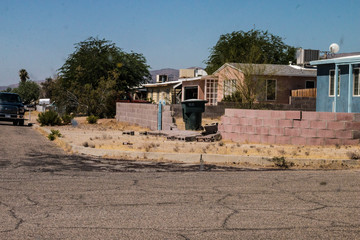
{"type": "Point", "coordinates": [170, 92]}
{"type": "Point", "coordinates": [279, 81]}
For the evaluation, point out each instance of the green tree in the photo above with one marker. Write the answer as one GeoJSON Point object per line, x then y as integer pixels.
{"type": "Point", "coordinates": [29, 91]}
{"type": "Point", "coordinates": [235, 47]}
{"type": "Point", "coordinates": [23, 74]}
{"type": "Point", "coordinates": [47, 87]}
{"type": "Point", "coordinates": [9, 89]}
{"type": "Point", "coordinates": [91, 70]}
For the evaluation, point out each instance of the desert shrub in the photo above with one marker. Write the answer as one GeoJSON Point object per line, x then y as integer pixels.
{"type": "Point", "coordinates": [353, 155]}
{"type": "Point", "coordinates": [49, 118]}
{"type": "Point", "coordinates": [67, 119]}
{"type": "Point", "coordinates": [54, 134]}
{"type": "Point", "coordinates": [92, 119]}
{"type": "Point", "coordinates": [281, 162]}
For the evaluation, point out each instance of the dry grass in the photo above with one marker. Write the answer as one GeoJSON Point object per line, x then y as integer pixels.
{"type": "Point", "coordinates": [107, 134]}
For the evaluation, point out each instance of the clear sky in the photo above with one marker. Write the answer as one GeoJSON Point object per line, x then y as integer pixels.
{"type": "Point", "coordinates": [39, 35]}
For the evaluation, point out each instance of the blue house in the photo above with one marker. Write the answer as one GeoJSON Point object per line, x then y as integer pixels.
{"type": "Point", "coordinates": [346, 71]}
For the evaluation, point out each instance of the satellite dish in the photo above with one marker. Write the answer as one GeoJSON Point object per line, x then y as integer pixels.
{"type": "Point", "coordinates": [334, 48]}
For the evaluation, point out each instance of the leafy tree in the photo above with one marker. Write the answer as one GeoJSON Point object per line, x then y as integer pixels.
{"type": "Point", "coordinates": [47, 88]}
{"type": "Point", "coordinates": [235, 47]}
{"type": "Point", "coordinates": [9, 89]}
{"type": "Point", "coordinates": [23, 74]}
{"type": "Point", "coordinates": [29, 91]}
{"type": "Point", "coordinates": [95, 73]}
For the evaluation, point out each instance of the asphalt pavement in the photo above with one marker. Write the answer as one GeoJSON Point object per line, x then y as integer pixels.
{"type": "Point", "coordinates": [48, 194]}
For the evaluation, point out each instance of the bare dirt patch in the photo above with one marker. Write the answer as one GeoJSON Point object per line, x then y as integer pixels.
{"type": "Point", "coordinates": [108, 134]}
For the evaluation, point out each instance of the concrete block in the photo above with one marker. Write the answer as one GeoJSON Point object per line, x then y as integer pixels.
{"type": "Point", "coordinates": [250, 113]}
{"type": "Point", "coordinates": [293, 132]}
{"type": "Point", "coordinates": [263, 114]}
{"type": "Point", "coordinates": [278, 114]}
{"type": "Point", "coordinates": [239, 113]}
{"type": "Point", "coordinates": [226, 120]}
{"type": "Point", "coordinates": [228, 128]}
{"type": "Point", "coordinates": [356, 117]}
{"type": "Point", "coordinates": [254, 138]}
{"type": "Point", "coordinates": [276, 131]}
{"type": "Point", "coordinates": [352, 125]}
{"type": "Point", "coordinates": [233, 136]}
{"type": "Point", "coordinates": [230, 112]}
{"type": "Point", "coordinates": [283, 140]}
{"type": "Point", "coordinates": [327, 116]}
{"type": "Point", "coordinates": [344, 116]}
{"type": "Point", "coordinates": [315, 141]}
{"type": "Point", "coordinates": [257, 122]}
{"type": "Point", "coordinates": [268, 139]}
{"type": "Point", "coordinates": [318, 124]}
{"type": "Point", "coordinates": [293, 114]}
{"type": "Point", "coordinates": [221, 127]}
{"type": "Point", "coordinates": [344, 134]}
{"type": "Point", "coordinates": [350, 141]}
{"type": "Point", "coordinates": [310, 116]}
{"type": "Point", "coordinates": [250, 129]}
{"type": "Point", "coordinates": [285, 123]}
{"type": "Point", "coordinates": [234, 120]}
{"type": "Point", "coordinates": [243, 138]}
{"type": "Point", "coordinates": [262, 130]}
{"type": "Point", "coordinates": [326, 133]}
{"type": "Point", "coordinates": [332, 141]}
{"type": "Point", "coordinates": [270, 123]}
{"type": "Point", "coordinates": [335, 125]}
{"type": "Point", "coordinates": [301, 124]}
{"type": "Point", "coordinates": [239, 129]}
{"type": "Point", "coordinates": [298, 141]}
{"type": "Point", "coordinates": [308, 132]}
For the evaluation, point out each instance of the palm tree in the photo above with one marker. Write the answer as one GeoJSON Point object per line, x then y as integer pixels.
{"type": "Point", "coordinates": [23, 74]}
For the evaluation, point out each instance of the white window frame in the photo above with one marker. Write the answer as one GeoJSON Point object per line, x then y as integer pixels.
{"type": "Point", "coordinates": [339, 83]}
{"type": "Point", "coordinates": [213, 93]}
{"type": "Point", "coordinates": [358, 74]}
{"type": "Point", "coordinates": [190, 86]}
{"type": "Point", "coordinates": [266, 93]}
{"type": "Point", "coordinates": [230, 88]}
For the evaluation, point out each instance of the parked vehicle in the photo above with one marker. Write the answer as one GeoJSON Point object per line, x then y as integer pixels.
{"type": "Point", "coordinates": [11, 108]}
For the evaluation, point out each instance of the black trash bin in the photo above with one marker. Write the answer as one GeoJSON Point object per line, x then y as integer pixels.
{"type": "Point", "coordinates": [192, 110]}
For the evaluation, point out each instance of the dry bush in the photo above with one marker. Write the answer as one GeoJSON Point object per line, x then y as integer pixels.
{"type": "Point", "coordinates": [353, 155]}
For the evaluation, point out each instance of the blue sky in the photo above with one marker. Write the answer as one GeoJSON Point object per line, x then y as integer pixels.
{"type": "Point", "coordinates": [40, 35]}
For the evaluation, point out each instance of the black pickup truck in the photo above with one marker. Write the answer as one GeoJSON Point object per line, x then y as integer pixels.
{"type": "Point", "coordinates": [11, 108]}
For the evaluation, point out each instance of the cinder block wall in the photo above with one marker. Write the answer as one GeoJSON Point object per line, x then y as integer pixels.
{"type": "Point", "coordinates": [290, 127]}
{"type": "Point", "coordinates": [145, 115]}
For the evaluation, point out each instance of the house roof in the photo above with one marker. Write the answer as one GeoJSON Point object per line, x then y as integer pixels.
{"type": "Point", "coordinates": [163, 84]}
{"type": "Point", "coordinates": [274, 69]}
{"type": "Point", "coordinates": [340, 60]}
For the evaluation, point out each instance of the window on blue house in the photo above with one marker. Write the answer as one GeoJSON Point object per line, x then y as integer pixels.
{"type": "Point", "coordinates": [356, 82]}
{"type": "Point", "coordinates": [332, 83]}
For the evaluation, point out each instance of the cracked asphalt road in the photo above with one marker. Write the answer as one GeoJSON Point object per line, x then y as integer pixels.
{"type": "Point", "coordinates": [47, 194]}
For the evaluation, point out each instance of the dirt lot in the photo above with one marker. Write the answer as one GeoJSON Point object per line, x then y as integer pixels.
{"type": "Point", "coordinates": [108, 134]}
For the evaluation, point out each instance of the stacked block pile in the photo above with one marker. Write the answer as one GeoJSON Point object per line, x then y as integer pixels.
{"type": "Point", "coordinates": [290, 127]}
{"type": "Point", "coordinates": [145, 115]}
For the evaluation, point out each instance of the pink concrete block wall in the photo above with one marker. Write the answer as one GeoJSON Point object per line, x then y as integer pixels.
{"type": "Point", "coordinates": [145, 115]}
{"type": "Point", "coordinates": [290, 127]}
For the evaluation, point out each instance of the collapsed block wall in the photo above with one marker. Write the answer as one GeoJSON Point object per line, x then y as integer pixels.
{"type": "Point", "coordinates": [145, 115]}
{"type": "Point", "coordinates": [290, 127]}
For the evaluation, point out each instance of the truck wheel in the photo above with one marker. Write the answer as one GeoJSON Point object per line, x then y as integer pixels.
{"type": "Point", "coordinates": [21, 122]}
{"type": "Point", "coordinates": [15, 122]}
